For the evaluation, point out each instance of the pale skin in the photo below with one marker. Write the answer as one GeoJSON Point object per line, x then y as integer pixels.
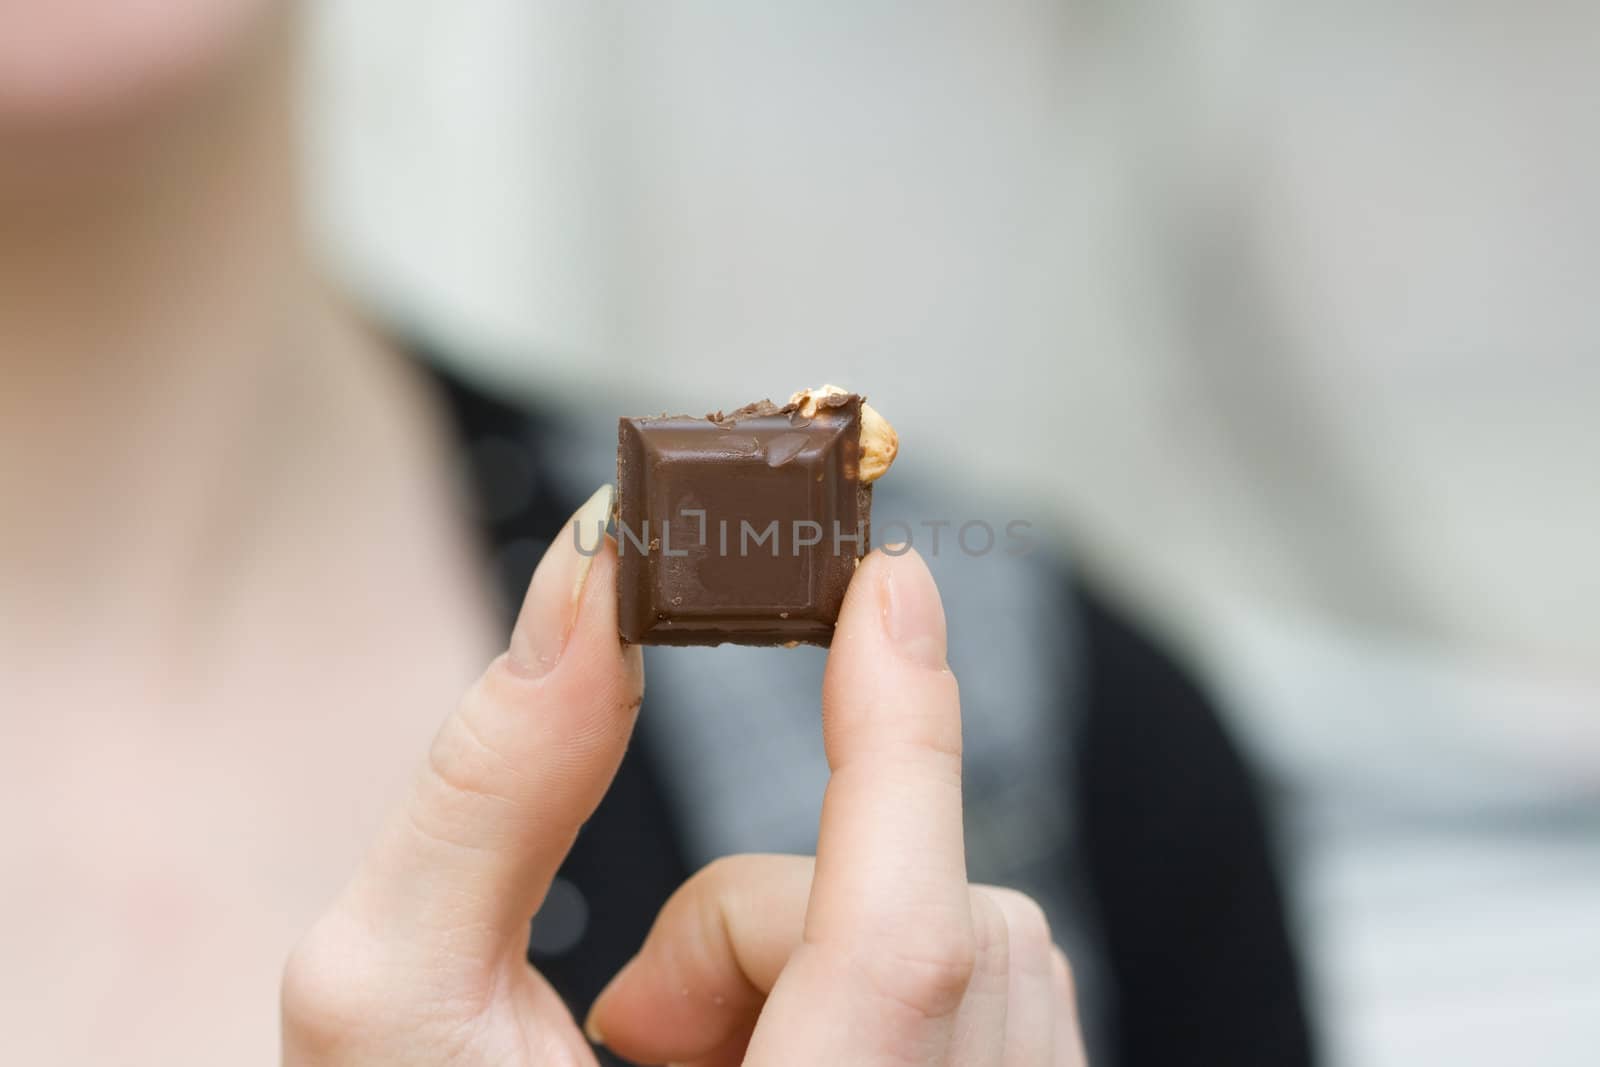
{"type": "Point", "coordinates": [235, 590]}
{"type": "Point", "coordinates": [237, 598]}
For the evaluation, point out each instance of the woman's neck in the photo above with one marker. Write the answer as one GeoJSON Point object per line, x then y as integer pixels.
{"type": "Point", "coordinates": [161, 334]}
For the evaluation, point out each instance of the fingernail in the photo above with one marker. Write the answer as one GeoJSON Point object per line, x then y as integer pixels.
{"type": "Point", "coordinates": [591, 1029]}
{"type": "Point", "coordinates": [913, 616]}
{"type": "Point", "coordinates": [551, 606]}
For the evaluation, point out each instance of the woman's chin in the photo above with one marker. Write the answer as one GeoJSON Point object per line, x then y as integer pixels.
{"type": "Point", "coordinates": [71, 62]}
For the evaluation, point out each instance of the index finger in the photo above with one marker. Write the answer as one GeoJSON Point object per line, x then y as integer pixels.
{"type": "Point", "coordinates": [890, 856]}
{"type": "Point", "coordinates": [889, 926]}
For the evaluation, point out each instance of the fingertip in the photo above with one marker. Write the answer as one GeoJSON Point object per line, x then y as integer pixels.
{"type": "Point", "coordinates": [603, 1006]}
{"type": "Point", "coordinates": [562, 592]}
{"type": "Point", "coordinates": [1061, 972]}
{"type": "Point", "coordinates": [887, 675]}
{"type": "Point", "coordinates": [894, 600]}
{"type": "Point", "coordinates": [913, 611]}
{"type": "Point", "coordinates": [591, 1028]}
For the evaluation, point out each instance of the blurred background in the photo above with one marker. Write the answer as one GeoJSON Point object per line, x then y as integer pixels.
{"type": "Point", "coordinates": [1290, 312]}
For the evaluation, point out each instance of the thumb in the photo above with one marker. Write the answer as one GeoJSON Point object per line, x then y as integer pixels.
{"type": "Point", "coordinates": [517, 769]}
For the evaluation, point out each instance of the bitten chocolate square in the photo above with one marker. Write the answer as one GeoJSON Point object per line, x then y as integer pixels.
{"type": "Point", "coordinates": [742, 528]}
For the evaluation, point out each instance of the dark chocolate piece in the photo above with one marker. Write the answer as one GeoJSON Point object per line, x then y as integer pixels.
{"type": "Point", "coordinates": [742, 528]}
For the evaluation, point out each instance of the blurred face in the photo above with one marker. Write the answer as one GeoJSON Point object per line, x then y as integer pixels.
{"type": "Point", "coordinates": [67, 61]}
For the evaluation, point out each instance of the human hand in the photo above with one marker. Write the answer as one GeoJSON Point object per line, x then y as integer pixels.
{"type": "Point", "coordinates": [878, 953]}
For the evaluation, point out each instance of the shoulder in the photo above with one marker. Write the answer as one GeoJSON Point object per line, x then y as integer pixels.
{"type": "Point", "coordinates": [1185, 881]}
